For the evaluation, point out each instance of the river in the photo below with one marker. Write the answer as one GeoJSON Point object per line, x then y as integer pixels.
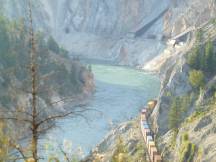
{"type": "Point", "coordinates": [120, 94]}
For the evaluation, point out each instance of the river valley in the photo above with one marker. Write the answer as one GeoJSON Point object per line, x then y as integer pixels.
{"type": "Point", "coordinates": [120, 94]}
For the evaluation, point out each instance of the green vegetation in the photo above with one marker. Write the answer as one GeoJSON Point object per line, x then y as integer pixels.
{"type": "Point", "coordinates": [175, 115]}
{"type": "Point", "coordinates": [187, 150]}
{"type": "Point", "coordinates": [54, 47]}
{"type": "Point", "coordinates": [121, 152]}
{"type": "Point", "coordinates": [203, 57]}
{"type": "Point", "coordinates": [179, 106]}
{"type": "Point", "coordinates": [196, 79]}
{"type": "Point", "coordinates": [4, 144]}
{"type": "Point", "coordinates": [195, 116]}
{"type": "Point", "coordinates": [202, 110]}
{"type": "Point", "coordinates": [66, 159]}
{"type": "Point", "coordinates": [14, 60]}
{"type": "Point", "coordinates": [185, 137]}
{"type": "Point", "coordinates": [195, 57]}
{"type": "Point", "coordinates": [200, 153]}
{"type": "Point", "coordinates": [141, 153]}
{"type": "Point", "coordinates": [210, 58]}
{"type": "Point", "coordinates": [202, 61]}
{"type": "Point", "coordinates": [50, 73]}
{"type": "Point", "coordinates": [174, 119]}
{"type": "Point", "coordinates": [53, 159]}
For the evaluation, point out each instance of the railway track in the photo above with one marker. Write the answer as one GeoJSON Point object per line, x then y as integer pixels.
{"type": "Point", "coordinates": [148, 137]}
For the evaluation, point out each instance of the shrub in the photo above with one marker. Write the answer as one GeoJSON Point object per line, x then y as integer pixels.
{"type": "Point", "coordinates": [202, 57]}
{"type": "Point", "coordinates": [121, 152]}
{"type": "Point", "coordinates": [187, 150]}
{"type": "Point", "coordinates": [4, 143]}
{"type": "Point", "coordinates": [52, 45]}
{"type": "Point", "coordinates": [194, 58]}
{"type": "Point", "coordinates": [185, 137]}
{"type": "Point", "coordinates": [196, 78]}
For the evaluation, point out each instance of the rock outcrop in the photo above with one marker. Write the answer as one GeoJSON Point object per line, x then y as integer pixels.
{"type": "Point", "coordinates": [95, 28]}
{"type": "Point", "coordinates": [132, 141]}
{"type": "Point", "coordinates": [196, 130]}
{"type": "Point", "coordinates": [101, 29]}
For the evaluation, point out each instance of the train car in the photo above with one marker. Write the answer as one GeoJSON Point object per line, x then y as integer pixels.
{"type": "Point", "coordinates": [143, 117]}
{"type": "Point", "coordinates": [144, 122]}
{"type": "Point", "coordinates": [146, 132]}
{"type": "Point", "coordinates": [144, 111]}
{"type": "Point", "coordinates": [148, 139]}
{"type": "Point", "coordinates": [145, 126]}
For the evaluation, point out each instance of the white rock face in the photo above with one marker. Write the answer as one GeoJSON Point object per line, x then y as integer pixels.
{"type": "Point", "coordinates": [105, 29]}
{"type": "Point", "coordinates": [95, 28]}
{"type": "Point", "coordinates": [186, 13]}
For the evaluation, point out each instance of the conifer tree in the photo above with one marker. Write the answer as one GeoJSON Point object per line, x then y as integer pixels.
{"type": "Point", "coordinates": [209, 57]}
{"type": "Point", "coordinates": [175, 114]}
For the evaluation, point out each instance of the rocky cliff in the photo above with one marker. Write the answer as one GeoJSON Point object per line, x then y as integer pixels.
{"type": "Point", "coordinates": [193, 140]}
{"type": "Point", "coordinates": [128, 32]}
{"type": "Point", "coordinates": [92, 28]}
{"type": "Point", "coordinates": [132, 32]}
{"type": "Point", "coordinates": [58, 77]}
{"type": "Point", "coordinates": [127, 136]}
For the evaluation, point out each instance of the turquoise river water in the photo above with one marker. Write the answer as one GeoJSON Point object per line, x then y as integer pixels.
{"type": "Point", "coordinates": [120, 94]}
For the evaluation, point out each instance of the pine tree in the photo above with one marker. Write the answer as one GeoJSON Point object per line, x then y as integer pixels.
{"type": "Point", "coordinates": [194, 58]}
{"type": "Point", "coordinates": [209, 57]}
{"type": "Point", "coordinates": [175, 114]}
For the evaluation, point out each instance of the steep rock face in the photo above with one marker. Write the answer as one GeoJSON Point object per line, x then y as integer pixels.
{"type": "Point", "coordinates": [92, 28]}
{"type": "Point", "coordinates": [106, 18]}
{"type": "Point", "coordinates": [132, 141]}
{"type": "Point", "coordinates": [197, 123]}
{"type": "Point", "coordinates": [97, 29]}
{"type": "Point", "coordinates": [175, 83]}
{"type": "Point", "coordinates": [103, 18]}
{"type": "Point", "coordinates": [105, 28]}
{"type": "Point", "coordinates": [171, 64]}
{"type": "Point", "coordinates": [184, 14]}
{"type": "Point", "coordinates": [57, 77]}
{"type": "Point", "coordinates": [201, 131]}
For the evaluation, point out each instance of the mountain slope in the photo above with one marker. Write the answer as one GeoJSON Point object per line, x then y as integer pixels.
{"type": "Point", "coordinates": [91, 28]}
{"type": "Point", "coordinates": [59, 77]}
{"type": "Point", "coordinates": [103, 29]}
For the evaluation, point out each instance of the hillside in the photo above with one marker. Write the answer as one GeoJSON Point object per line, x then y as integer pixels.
{"type": "Point", "coordinates": [59, 77]}
{"type": "Point", "coordinates": [175, 39]}
{"type": "Point", "coordinates": [191, 89]}
{"type": "Point", "coordinates": [97, 29]}
{"type": "Point", "coordinates": [107, 29]}
{"type": "Point", "coordinates": [184, 116]}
